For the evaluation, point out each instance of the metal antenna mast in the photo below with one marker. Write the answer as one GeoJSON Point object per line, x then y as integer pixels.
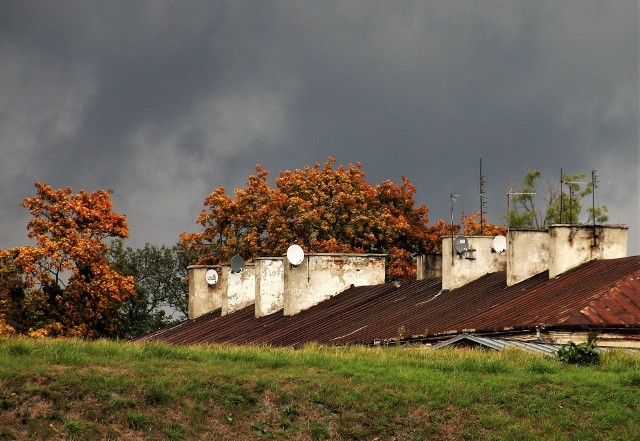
{"type": "Point", "coordinates": [571, 184]}
{"type": "Point", "coordinates": [561, 195]}
{"type": "Point", "coordinates": [483, 202]}
{"type": "Point", "coordinates": [453, 199]}
{"type": "Point", "coordinates": [594, 185]}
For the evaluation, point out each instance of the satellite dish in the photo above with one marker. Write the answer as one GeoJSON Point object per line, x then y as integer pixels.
{"type": "Point", "coordinates": [237, 264]}
{"type": "Point", "coordinates": [499, 243]}
{"type": "Point", "coordinates": [295, 255]}
{"type": "Point", "coordinates": [461, 244]}
{"type": "Point", "coordinates": [211, 276]}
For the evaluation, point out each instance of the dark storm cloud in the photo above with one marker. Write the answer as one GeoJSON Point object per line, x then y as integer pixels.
{"type": "Point", "coordinates": [164, 101]}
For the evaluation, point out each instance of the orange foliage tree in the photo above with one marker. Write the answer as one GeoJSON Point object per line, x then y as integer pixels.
{"type": "Point", "coordinates": [322, 209]}
{"type": "Point", "coordinates": [68, 287]}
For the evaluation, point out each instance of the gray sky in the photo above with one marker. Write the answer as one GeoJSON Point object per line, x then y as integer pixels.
{"type": "Point", "coordinates": [162, 102]}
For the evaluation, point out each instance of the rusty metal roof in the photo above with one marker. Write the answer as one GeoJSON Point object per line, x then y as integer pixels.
{"type": "Point", "coordinates": [597, 294]}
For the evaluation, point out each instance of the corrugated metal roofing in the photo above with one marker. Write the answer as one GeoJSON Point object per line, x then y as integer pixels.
{"type": "Point", "coordinates": [499, 344]}
{"type": "Point", "coordinates": [597, 294]}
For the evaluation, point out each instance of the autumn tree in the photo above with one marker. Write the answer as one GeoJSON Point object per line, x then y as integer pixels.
{"type": "Point", "coordinates": [67, 285]}
{"type": "Point", "coordinates": [162, 291]}
{"type": "Point", "coordinates": [321, 208]}
{"type": "Point", "coordinates": [563, 204]}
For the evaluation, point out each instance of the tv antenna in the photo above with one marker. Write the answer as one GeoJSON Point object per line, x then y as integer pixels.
{"type": "Point", "coordinates": [571, 185]}
{"type": "Point", "coordinates": [594, 185]}
{"type": "Point", "coordinates": [453, 199]}
{"type": "Point", "coordinates": [483, 201]}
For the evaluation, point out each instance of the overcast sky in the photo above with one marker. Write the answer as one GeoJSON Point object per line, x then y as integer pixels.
{"type": "Point", "coordinates": [162, 102]}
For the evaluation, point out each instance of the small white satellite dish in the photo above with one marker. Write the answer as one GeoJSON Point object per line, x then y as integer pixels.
{"type": "Point", "coordinates": [237, 264]}
{"type": "Point", "coordinates": [295, 255]}
{"type": "Point", "coordinates": [211, 276]}
{"type": "Point", "coordinates": [461, 244]}
{"type": "Point", "coordinates": [499, 243]}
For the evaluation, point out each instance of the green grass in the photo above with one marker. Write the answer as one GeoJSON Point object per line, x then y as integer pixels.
{"type": "Point", "coordinates": [69, 389]}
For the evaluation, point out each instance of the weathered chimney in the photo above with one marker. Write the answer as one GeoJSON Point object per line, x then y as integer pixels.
{"type": "Point", "coordinates": [269, 285]}
{"type": "Point", "coordinates": [460, 269]}
{"type": "Point", "coordinates": [573, 245]}
{"type": "Point", "coordinates": [321, 276]}
{"type": "Point", "coordinates": [241, 288]}
{"type": "Point", "coordinates": [527, 254]}
{"type": "Point", "coordinates": [203, 297]}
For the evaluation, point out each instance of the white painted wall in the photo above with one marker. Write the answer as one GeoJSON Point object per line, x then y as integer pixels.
{"type": "Point", "coordinates": [321, 276]}
{"type": "Point", "coordinates": [269, 285]}
{"type": "Point", "coordinates": [527, 254]}
{"type": "Point", "coordinates": [458, 270]}
{"type": "Point", "coordinates": [573, 245]}
{"type": "Point", "coordinates": [241, 289]}
{"type": "Point", "coordinates": [204, 298]}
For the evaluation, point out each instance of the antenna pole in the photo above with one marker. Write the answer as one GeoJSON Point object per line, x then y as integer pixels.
{"type": "Point", "coordinates": [571, 190]}
{"type": "Point", "coordinates": [594, 185]}
{"type": "Point", "coordinates": [482, 201]}
{"type": "Point", "coordinates": [453, 199]}
{"type": "Point", "coordinates": [561, 195]}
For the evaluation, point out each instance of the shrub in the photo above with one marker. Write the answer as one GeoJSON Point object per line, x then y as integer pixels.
{"type": "Point", "coordinates": [580, 354]}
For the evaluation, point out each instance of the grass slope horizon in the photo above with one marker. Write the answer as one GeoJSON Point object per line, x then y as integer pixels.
{"type": "Point", "coordinates": [103, 390]}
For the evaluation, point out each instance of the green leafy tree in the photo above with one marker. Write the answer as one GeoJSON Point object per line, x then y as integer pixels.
{"type": "Point", "coordinates": [563, 204]}
{"type": "Point", "coordinates": [161, 286]}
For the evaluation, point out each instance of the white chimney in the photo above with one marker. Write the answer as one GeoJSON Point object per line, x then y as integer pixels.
{"type": "Point", "coordinates": [458, 269]}
{"type": "Point", "coordinates": [321, 276]}
{"type": "Point", "coordinates": [573, 245]}
{"type": "Point", "coordinates": [527, 254]}
{"type": "Point", "coordinates": [269, 285]}
{"type": "Point", "coordinates": [204, 296]}
{"type": "Point", "coordinates": [241, 288]}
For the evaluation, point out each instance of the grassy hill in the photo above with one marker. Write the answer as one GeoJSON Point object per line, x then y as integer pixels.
{"type": "Point", "coordinates": [68, 389]}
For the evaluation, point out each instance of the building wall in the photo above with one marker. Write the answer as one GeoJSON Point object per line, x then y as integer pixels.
{"type": "Point", "coordinates": [321, 276]}
{"type": "Point", "coordinates": [241, 289]}
{"type": "Point", "coordinates": [458, 270]}
{"type": "Point", "coordinates": [527, 254]}
{"type": "Point", "coordinates": [269, 285]}
{"type": "Point", "coordinates": [573, 245]}
{"type": "Point", "coordinates": [428, 266]}
{"type": "Point", "coordinates": [204, 298]}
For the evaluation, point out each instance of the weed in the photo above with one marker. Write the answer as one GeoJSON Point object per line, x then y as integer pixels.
{"type": "Point", "coordinates": [541, 367]}
{"type": "Point", "coordinates": [260, 427]}
{"type": "Point", "coordinates": [580, 354]}
{"type": "Point", "coordinates": [75, 429]}
{"type": "Point", "coordinates": [138, 421]}
{"type": "Point", "coordinates": [158, 394]}
{"type": "Point", "coordinates": [290, 411]}
{"type": "Point", "coordinates": [175, 432]}
{"type": "Point", "coordinates": [318, 431]}
{"type": "Point", "coordinates": [7, 433]}
{"type": "Point", "coordinates": [631, 379]}
{"type": "Point", "coordinates": [19, 348]}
